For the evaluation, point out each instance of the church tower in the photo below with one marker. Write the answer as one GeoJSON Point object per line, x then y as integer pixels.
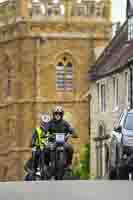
{"type": "Point", "coordinates": [46, 49]}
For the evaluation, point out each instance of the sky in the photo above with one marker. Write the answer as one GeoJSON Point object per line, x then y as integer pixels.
{"type": "Point", "coordinates": [118, 10]}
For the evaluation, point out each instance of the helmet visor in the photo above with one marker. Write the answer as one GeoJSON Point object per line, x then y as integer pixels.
{"type": "Point", "coordinates": [58, 113]}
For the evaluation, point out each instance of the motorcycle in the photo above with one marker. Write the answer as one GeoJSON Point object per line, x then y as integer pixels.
{"type": "Point", "coordinates": [31, 174]}
{"type": "Point", "coordinates": [58, 158]}
{"type": "Point", "coordinates": [56, 167]}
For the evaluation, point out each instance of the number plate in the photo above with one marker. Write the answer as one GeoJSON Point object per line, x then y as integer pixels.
{"type": "Point", "coordinates": [60, 138]}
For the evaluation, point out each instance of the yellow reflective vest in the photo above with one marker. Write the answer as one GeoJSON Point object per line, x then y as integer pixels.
{"type": "Point", "coordinates": [39, 139]}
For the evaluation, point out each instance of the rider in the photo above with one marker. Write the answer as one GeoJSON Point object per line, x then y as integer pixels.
{"type": "Point", "coordinates": [37, 144]}
{"type": "Point", "coordinates": [58, 125]}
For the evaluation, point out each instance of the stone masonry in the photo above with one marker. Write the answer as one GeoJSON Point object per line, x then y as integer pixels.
{"type": "Point", "coordinates": [31, 45]}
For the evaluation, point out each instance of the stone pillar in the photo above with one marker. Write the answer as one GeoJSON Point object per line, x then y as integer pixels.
{"type": "Point", "coordinates": [37, 79]}
{"type": "Point", "coordinates": [108, 9]}
{"type": "Point", "coordinates": [68, 9]}
{"type": "Point", "coordinates": [22, 8]}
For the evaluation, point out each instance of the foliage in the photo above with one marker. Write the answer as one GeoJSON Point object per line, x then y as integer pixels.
{"type": "Point", "coordinates": [82, 171]}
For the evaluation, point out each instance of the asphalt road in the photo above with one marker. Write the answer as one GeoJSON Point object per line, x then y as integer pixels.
{"type": "Point", "coordinates": [67, 190]}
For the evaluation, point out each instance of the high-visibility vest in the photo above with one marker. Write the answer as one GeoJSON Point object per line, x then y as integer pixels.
{"type": "Point", "coordinates": [39, 137]}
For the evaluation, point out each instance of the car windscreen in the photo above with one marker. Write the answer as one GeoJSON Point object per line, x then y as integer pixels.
{"type": "Point", "coordinates": [129, 122]}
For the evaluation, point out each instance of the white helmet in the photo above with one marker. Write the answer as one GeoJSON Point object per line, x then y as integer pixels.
{"type": "Point", "coordinates": [58, 109]}
{"type": "Point", "coordinates": [45, 118]}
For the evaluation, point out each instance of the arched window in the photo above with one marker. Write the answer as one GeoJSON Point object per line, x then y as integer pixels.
{"type": "Point", "coordinates": [64, 75]}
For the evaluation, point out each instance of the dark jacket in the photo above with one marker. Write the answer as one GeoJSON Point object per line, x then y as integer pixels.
{"type": "Point", "coordinates": [60, 126]}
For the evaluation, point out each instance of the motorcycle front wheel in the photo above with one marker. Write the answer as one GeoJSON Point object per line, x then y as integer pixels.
{"type": "Point", "coordinates": [60, 165]}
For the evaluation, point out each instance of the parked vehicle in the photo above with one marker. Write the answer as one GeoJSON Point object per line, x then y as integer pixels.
{"type": "Point", "coordinates": [121, 148]}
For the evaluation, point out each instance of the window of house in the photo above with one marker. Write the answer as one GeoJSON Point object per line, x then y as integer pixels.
{"type": "Point", "coordinates": [64, 75]}
{"type": "Point", "coordinates": [115, 92]}
{"type": "Point", "coordinates": [101, 94]}
{"type": "Point", "coordinates": [103, 98]}
{"type": "Point", "coordinates": [98, 96]}
{"type": "Point", "coordinates": [130, 28]}
{"type": "Point", "coordinates": [126, 88]}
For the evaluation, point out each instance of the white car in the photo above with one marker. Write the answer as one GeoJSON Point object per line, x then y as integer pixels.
{"type": "Point", "coordinates": [121, 146]}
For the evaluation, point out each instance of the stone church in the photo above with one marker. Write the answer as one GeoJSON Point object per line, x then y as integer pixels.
{"type": "Point", "coordinates": [46, 48]}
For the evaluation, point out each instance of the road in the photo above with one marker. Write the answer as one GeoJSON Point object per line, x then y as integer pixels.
{"type": "Point", "coordinates": [67, 190]}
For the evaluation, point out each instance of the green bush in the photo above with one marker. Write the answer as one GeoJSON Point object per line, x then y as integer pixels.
{"type": "Point", "coordinates": [82, 171]}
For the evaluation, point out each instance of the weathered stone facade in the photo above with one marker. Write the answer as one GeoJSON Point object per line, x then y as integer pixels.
{"type": "Point", "coordinates": [102, 123]}
{"type": "Point", "coordinates": [31, 45]}
{"type": "Point", "coordinates": [110, 94]}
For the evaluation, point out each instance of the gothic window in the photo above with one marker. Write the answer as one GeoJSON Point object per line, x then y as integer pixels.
{"type": "Point", "coordinates": [64, 75]}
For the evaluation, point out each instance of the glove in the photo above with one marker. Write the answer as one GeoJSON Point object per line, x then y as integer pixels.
{"type": "Point", "coordinates": [33, 149]}
{"type": "Point", "coordinates": [75, 135]}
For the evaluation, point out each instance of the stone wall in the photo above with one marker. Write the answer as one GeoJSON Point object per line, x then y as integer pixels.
{"type": "Point", "coordinates": [109, 118]}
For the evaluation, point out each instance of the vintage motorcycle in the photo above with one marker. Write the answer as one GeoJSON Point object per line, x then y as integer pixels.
{"type": "Point", "coordinates": [31, 175]}
{"type": "Point", "coordinates": [57, 158]}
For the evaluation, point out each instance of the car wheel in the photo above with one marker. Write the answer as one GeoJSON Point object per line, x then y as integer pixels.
{"type": "Point", "coordinates": [123, 173]}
